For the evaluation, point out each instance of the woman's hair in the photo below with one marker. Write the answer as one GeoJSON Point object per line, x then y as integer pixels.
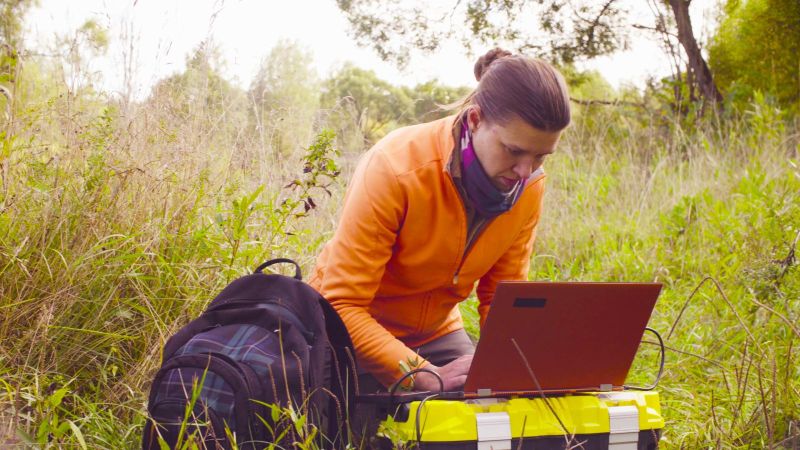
{"type": "Point", "coordinates": [514, 85]}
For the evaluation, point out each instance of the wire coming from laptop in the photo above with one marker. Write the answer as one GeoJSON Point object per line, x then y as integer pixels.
{"type": "Point", "coordinates": [410, 373]}
{"type": "Point", "coordinates": [539, 387]}
{"type": "Point", "coordinates": [419, 416]}
{"type": "Point", "coordinates": [660, 366]}
{"type": "Point", "coordinates": [400, 381]}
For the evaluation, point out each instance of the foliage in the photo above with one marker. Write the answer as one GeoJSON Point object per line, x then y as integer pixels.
{"type": "Point", "coordinates": [118, 223]}
{"type": "Point", "coordinates": [195, 108]}
{"type": "Point", "coordinates": [376, 105]}
{"type": "Point", "coordinates": [12, 13]}
{"type": "Point", "coordinates": [628, 203]}
{"type": "Point", "coordinates": [357, 97]}
{"type": "Point", "coordinates": [200, 89]}
{"type": "Point", "coordinates": [587, 85]}
{"type": "Point", "coordinates": [319, 172]}
{"type": "Point", "coordinates": [113, 236]}
{"type": "Point", "coordinates": [757, 49]}
{"type": "Point", "coordinates": [564, 31]}
{"type": "Point", "coordinates": [433, 100]}
{"type": "Point", "coordinates": [289, 423]}
{"type": "Point", "coordinates": [285, 98]}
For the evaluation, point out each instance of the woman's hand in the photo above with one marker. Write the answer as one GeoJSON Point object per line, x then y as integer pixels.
{"type": "Point", "coordinates": [453, 374]}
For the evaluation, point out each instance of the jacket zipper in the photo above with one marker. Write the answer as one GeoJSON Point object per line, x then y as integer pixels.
{"type": "Point", "coordinates": [468, 247]}
{"type": "Point", "coordinates": [467, 243]}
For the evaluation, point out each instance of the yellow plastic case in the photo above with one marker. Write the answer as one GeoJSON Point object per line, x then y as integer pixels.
{"type": "Point", "coordinates": [608, 420]}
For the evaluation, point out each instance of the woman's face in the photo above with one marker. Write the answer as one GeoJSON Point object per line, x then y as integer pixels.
{"type": "Point", "coordinates": [511, 151]}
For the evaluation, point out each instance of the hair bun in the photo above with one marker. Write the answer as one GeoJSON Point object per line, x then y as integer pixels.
{"type": "Point", "coordinates": [486, 60]}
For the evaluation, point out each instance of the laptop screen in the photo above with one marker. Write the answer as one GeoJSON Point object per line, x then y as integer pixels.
{"type": "Point", "coordinates": [565, 336]}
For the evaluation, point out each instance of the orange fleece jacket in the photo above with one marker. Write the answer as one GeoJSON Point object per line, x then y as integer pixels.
{"type": "Point", "coordinates": [390, 268]}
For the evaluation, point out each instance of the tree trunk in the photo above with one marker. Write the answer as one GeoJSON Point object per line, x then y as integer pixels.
{"type": "Point", "coordinates": [697, 64]}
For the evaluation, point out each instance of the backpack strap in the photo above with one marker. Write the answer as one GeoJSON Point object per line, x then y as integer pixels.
{"type": "Point", "coordinates": [342, 369]}
{"type": "Point", "coordinates": [297, 273]}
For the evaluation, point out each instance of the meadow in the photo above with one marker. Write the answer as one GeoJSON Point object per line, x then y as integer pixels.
{"type": "Point", "coordinates": [120, 220]}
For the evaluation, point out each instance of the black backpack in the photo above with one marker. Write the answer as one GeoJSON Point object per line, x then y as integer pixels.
{"type": "Point", "coordinates": [267, 351]}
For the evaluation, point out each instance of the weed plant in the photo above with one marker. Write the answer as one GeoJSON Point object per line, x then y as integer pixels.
{"type": "Point", "coordinates": [119, 222]}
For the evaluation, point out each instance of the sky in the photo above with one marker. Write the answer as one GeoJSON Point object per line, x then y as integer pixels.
{"type": "Point", "coordinates": [162, 33]}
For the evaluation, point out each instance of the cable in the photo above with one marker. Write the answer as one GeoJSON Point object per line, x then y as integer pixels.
{"type": "Point", "coordinates": [539, 387]}
{"type": "Point", "coordinates": [419, 415]}
{"type": "Point", "coordinates": [660, 367]}
{"type": "Point", "coordinates": [397, 383]}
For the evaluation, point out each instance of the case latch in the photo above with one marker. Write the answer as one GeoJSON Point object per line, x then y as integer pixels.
{"type": "Point", "coordinates": [494, 431]}
{"type": "Point", "coordinates": [624, 427]}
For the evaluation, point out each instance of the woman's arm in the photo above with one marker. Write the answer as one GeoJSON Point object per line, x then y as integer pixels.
{"type": "Point", "coordinates": [372, 215]}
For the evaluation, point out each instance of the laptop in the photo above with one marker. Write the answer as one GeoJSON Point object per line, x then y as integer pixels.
{"type": "Point", "coordinates": [543, 338]}
{"type": "Point", "coordinates": [546, 337]}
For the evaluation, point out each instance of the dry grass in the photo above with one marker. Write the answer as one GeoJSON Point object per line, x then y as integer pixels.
{"type": "Point", "coordinates": [120, 222]}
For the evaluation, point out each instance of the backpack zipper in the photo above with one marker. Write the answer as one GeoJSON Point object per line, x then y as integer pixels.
{"type": "Point", "coordinates": [273, 306]}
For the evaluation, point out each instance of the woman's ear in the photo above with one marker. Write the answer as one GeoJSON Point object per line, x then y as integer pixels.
{"type": "Point", "coordinates": [473, 118]}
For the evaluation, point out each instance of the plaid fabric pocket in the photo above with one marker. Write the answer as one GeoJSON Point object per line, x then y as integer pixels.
{"type": "Point", "coordinates": [244, 344]}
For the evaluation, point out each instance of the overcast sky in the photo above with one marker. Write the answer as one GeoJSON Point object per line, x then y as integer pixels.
{"type": "Point", "coordinates": [165, 31]}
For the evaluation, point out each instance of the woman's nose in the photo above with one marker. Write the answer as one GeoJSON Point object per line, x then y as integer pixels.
{"type": "Point", "coordinates": [524, 168]}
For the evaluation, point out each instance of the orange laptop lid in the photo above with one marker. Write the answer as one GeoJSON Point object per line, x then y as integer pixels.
{"type": "Point", "coordinates": [574, 336]}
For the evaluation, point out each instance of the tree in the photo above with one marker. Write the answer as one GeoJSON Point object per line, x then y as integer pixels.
{"type": "Point", "coordinates": [198, 104]}
{"type": "Point", "coordinates": [200, 90]}
{"type": "Point", "coordinates": [377, 105]}
{"type": "Point", "coordinates": [431, 97]}
{"type": "Point", "coordinates": [78, 49]}
{"type": "Point", "coordinates": [11, 15]}
{"type": "Point", "coordinates": [697, 64]}
{"type": "Point", "coordinates": [566, 32]}
{"type": "Point", "coordinates": [285, 98]}
{"type": "Point", "coordinates": [757, 48]}
{"type": "Point", "coordinates": [563, 31]}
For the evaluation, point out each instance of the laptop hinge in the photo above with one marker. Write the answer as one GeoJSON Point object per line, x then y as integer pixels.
{"type": "Point", "coordinates": [623, 427]}
{"type": "Point", "coordinates": [485, 392]}
{"type": "Point", "coordinates": [494, 431]}
{"type": "Point", "coordinates": [606, 387]}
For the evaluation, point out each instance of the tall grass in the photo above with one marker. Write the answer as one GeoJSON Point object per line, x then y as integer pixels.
{"type": "Point", "coordinates": [714, 214]}
{"type": "Point", "coordinates": [118, 223]}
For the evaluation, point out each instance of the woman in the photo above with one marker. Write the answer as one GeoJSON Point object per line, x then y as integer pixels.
{"type": "Point", "coordinates": [433, 209]}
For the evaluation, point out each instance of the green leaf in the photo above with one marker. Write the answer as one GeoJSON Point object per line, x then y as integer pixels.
{"type": "Point", "coordinates": [275, 412]}
{"type": "Point", "coordinates": [299, 423]}
{"type": "Point", "coordinates": [78, 434]}
{"type": "Point", "coordinates": [61, 429]}
{"type": "Point", "coordinates": [57, 396]}
{"type": "Point", "coordinates": [162, 444]}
